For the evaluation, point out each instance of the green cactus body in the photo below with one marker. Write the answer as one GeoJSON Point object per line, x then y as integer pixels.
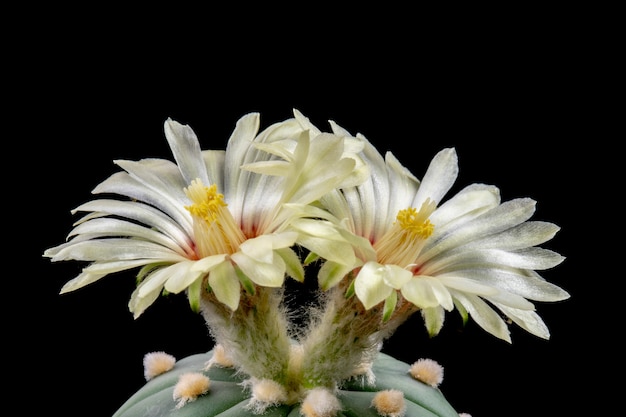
{"type": "Point", "coordinates": [229, 397]}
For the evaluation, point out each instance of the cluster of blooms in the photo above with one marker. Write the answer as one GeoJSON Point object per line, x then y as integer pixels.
{"type": "Point", "coordinates": [227, 227]}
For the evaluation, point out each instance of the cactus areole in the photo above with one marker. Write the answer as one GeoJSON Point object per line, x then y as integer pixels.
{"type": "Point", "coordinates": [230, 396]}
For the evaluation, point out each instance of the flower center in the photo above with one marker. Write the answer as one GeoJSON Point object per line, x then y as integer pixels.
{"type": "Point", "coordinates": [404, 240]}
{"type": "Point", "coordinates": [215, 229]}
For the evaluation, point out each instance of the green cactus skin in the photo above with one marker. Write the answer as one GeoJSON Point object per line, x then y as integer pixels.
{"type": "Point", "coordinates": [228, 398]}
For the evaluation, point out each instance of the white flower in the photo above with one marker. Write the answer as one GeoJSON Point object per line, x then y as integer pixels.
{"type": "Point", "coordinates": [472, 252]}
{"type": "Point", "coordinates": [213, 213]}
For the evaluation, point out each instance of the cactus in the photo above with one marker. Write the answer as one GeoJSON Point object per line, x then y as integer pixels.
{"type": "Point", "coordinates": [227, 228]}
{"type": "Point", "coordinates": [229, 396]}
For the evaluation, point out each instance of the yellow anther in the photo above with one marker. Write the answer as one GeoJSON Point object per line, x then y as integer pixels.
{"type": "Point", "coordinates": [215, 229]}
{"type": "Point", "coordinates": [206, 200]}
{"type": "Point", "coordinates": [415, 222]}
{"type": "Point", "coordinates": [404, 240]}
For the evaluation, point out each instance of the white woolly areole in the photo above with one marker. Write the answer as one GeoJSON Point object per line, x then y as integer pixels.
{"type": "Point", "coordinates": [156, 363]}
{"type": "Point", "coordinates": [320, 402]}
{"type": "Point", "coordinates": [265, 393]}
{"type": "Point", "coordinates": [220, 358]}
{"type": "Point", "coordinates": [428, 371]}
{"type": "Point", "coordinates": [189, 387]}
{"type": "Point", "coordinates": [390, 403]}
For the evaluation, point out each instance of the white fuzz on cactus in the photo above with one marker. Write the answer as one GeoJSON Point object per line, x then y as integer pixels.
{"type": "Point", "coordinates": [390, 403]}
{"type": "Point", "coordinates": [155, 363]}
{"type": "Point", "coordinates": [320, 402]}
{"type": "Point", "coordinates": [265, 393]}
{"type": "Point", "coordinates": [220, 358]}
{"type": "Point", "coordinates": [189, 387]}
{"type": "Point", "coordinates": [428, 371]}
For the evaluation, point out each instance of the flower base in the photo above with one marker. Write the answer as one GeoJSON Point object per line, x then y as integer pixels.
{"type": "Point", "coordinates": [229, 396]}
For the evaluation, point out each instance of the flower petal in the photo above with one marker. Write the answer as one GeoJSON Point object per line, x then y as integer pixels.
{"type": "Point", "coordinates": [264, 274]}
{"type": "Point", "coordinates": [498, 219]}
{"type": "Point", "coordinates": [395, 276]}
{"type": "Point", "coordinates": [207, 263]}
{"type": "Point", "coordinates": [426, 292]}
{"type": "Point", "coordinates": [527, 320]}
{"type": "Point", "coordinates": [370, 285]}
{"type": "Point", "coordinates": [484, 315]}
{"type": "Point", "coordinates": [433, 319]}
{"type": "Point", "coordinates": [115, 250]}
{"type": "Point", "coordinates": [110, 227]}
{"type": "Point", "coordinates": [225, 284]}
{"type": "Point", "coordinates": [439, 177]}
{"type": "Point", "coordinates": [182, 276]}
{"type": "Point", "coordinates": [331, 273]}
{"type": "Point", "coordinates": [186, 149]}
{"type": "Point", "coordinates": [141, 213]}
{"type": "Point", "coordinates": [292, 263]}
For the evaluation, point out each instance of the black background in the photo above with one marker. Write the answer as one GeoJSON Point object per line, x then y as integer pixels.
{"type": "Point", "coordinates": [519, 108]}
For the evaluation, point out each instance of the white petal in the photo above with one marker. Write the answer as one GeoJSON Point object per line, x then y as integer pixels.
{"type": "Point", "coordinates": [468, 203]}
{"type": "Point", "coordinates": [292, 263]}
{"type": "Point", "coordinates": [369, 202]}
{"type": "Point", "coordinates": [467, 285]}
{"type": "Point", "coordinates": [110, 227]}
{"type": "Point", "coordinates": [321, 181]}
{"type": "Point", "coordinates": [115, 266]}
{"type": "Point", "coordinates": [324, 239]}
{"type": "Point", "coordinates": [182, 276]}
{"type": "Point", "coordinates": [261, 273]}
{"type": "Point", "coordinates": [153, 283]}
{"type": "Point", "coordinates": [331, 273]}
{"type": "Point", "coordinates": [214, 162]}
{"type": "Point", "coordinates": [141, 213]}
{"type": "Point", "coordinates": [527, 284]}
{"type": "Point", "coordinates": [525, 235]}
{"type": "Point", "coordinates": [484, 315]}
{"type": "Point", "coordinates": [337, 251]}
{"type": "Point", "coordinates": [511, 300]}
{"type": "Point", "coordinates": [282, 148]}
{"type": "Point", "coordinates": [186, 150]}
{"type": "Point", "coordinates": [370, 285]}
{"type": "Point", "coordinates": [137, 305]}
{"type": "Point", "coordinates": [225, 284]}
{"type": "Point", "coordinates": [261, 248]}
{"type": "Point", "coordinates": [498, 219]}
{"type": "Point", "coordinates": [527, 320]}
{"type": "Point", "coordinates": [439, 177]}
{"type": "Point", "coordinates": [237, 149]}
{"type": "Point", "coordinates": [420, 291]}
{"type": "Point", "coordinates": [116, 250]}
{"type": "Point", "coordinates": [206, 264]}
{"type": "Point", "coordinates": [395, 276]}
{"type": "Point", "coordinates": [402, 188]}
{"type": "Point", "coordinates": [122, 183]}
{"type": "Point", "coordinates": [277, 168]}
{"type": "Point", "coordinates": [305, 123]}
{"type": "Point", "coordinates": [465, 258]}
{"type": "Point", "coordinates": [81, 280]}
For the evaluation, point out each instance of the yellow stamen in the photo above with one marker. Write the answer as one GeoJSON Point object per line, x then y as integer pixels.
{"type": "Point", "coordinates": [206, 200]}
{"type": "Point", "coordinates": [404, 240]}
{"type": "Point", "coordinates": [415, 223]}
{"type": "Point", "coordinates": [215, 229]}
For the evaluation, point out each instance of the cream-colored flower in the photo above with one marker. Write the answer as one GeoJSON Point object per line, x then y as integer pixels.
{"type": "Point", "coordinates": [472, 252]}
{"type": "Point", "coordinates": [215, 214]}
